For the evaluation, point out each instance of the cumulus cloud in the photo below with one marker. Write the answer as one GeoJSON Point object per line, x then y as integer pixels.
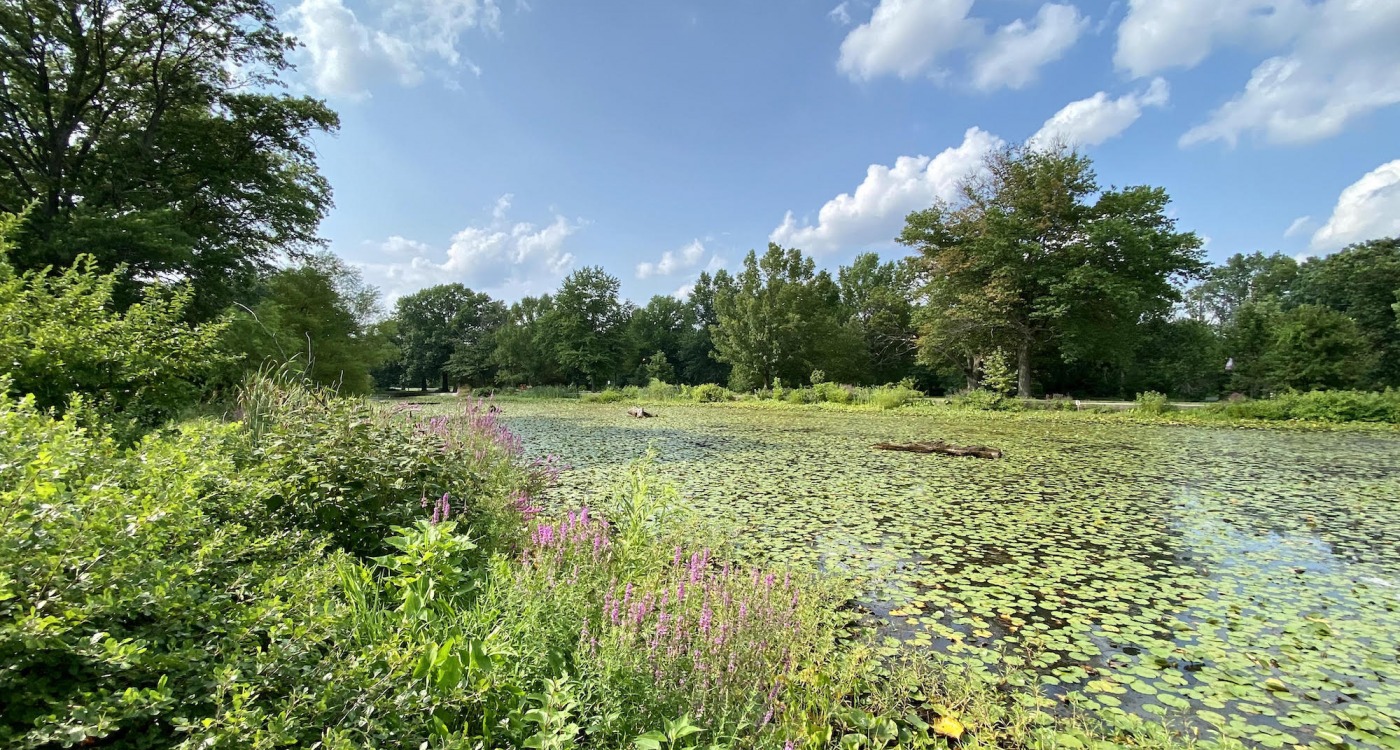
{"type": "Point", "coordinates": [348, 55]}
{"type": "Point", "coordinates": [1089, 122]}
{"type": "Point", "coordinates": [1333, 61]}
{"type": "Point", "coordinates": [502, 258]}
{"type": "Point", "coordinates": [1160, 34]}
{"type": "Point", "coordinates": [840, 14]}
{"type": "Point", "coordinates": [909, 38]}
{"type": "Point", "coordinates": [875, 211]}
{"type": "Point", "coordinates": [1016, 52]}
{"type": "Point", "coordinates": [1367, 209]}
{"type": "Point", "coordinates": [672, 262]}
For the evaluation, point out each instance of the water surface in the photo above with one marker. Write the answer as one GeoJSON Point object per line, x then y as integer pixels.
{"type": "Point", "coordinates": [1240, 583]}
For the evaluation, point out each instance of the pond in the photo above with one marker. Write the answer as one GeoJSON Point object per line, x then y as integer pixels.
{"type": "Point", "coordinates": [1236, 583]}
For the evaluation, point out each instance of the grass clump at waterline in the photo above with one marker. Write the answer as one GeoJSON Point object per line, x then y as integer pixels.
{"type": "Point", "coordinates": [324, 570]}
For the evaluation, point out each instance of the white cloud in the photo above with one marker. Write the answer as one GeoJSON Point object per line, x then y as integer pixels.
{"type": "Point", "coordinates": [840, 15]}
{"type": "Point", "coordinates": [1333, 61]}
{"type": "Point", "coordinates": [1299, 226]}
{"type": "Point", "coordinates": [875, 212]}
{"type": "Point", "coordinates": [349, 55]}
{"type": "Point", "coordinates": [1089, 122]}
{"type": "Point", "coordinates": [1161, 34]}
{"type": "Point", "coordinates": [684, 292]}
{"type": "Point", "coordinates": [1017, 51]}
{"type": "Point", "coordinates": [672, 262]}
{"type": "Point", "coordinates": [402, 246]}
{"type": "Point", "coordinates": [1367, 209]}
{"type": "Point", "coordinates": [501, 258]}
{"type": "Point", "coordinates": [909, 38]}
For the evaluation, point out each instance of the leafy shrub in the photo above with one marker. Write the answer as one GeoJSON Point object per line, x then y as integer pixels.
{"type": "Point", "coordinates": [1318, 406]}
{"type": "Point", "coordinates": [1152, 402]}
{"type": "Point", "coordinates": [893, 396]}
{"type": "Point", "coordinates": [340, 468]}
{"type": "Point", "coordinates": [985, 400]}
{"type": "Point", "coordinates": [609, 396]}
{"type": "Point", "coordinates": [658, 390]}
{"type": "Point", "coordinates": [545, 391]}
{"type": "Point", "coordinates": [997, 375]}
{"type": "Point", "coordinates": [833, 393]}
{"type": "Point", "coordinates": [59, 336]}
{"type": "Point", "coordinates": [818, 377]}
{"type": "Point", "coordinates": [802, 396]}
{"type": "Point", "coordinates": [711, 393]}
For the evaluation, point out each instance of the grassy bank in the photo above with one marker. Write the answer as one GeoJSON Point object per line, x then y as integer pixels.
{"type": "Point", "coordinates": [1318, 410]}
{"type": "Point", "coordinates": [323, 570]}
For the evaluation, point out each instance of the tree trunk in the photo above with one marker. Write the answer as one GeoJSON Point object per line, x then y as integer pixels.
{"type": "Point", "coordinates": [444, 383]}
{"type": "Point", "coordinates": [1023, 370]}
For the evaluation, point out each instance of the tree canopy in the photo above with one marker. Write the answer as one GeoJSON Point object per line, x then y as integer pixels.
{"type": "Point", "coordinates": [1033, 254]}
{"type": "Point", "coordinates": [148, 134]}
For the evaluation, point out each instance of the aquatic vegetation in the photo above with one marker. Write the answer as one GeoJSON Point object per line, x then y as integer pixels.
{"type": "Point", "coordinates": [1240, 584]}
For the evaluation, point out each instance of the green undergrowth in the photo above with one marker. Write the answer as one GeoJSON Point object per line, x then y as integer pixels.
{"type": "Point", "coordinates": [320, 571]}
{"type": "Point", "coordinates": [1320, 410]}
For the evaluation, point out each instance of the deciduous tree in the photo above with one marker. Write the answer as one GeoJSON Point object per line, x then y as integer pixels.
{"type": "Point", "coordinates": [1033, 253]}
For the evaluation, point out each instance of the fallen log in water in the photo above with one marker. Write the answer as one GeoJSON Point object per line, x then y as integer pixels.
{"type": "Point", "coordinates": [639, 412]}
{"type": "Point", "coordinates": [938, 446]}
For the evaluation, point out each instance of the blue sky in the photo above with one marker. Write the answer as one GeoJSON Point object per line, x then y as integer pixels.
{"type": "Point", "coordinates": [502, 144]}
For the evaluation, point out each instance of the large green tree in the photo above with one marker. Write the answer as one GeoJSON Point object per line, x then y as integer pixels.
{"type": "Point", "coordinates": [1361, 281]}
{"type": "Point", "coordinates": [661, 327]}
{"type": "Point", "coordinates": [698, 362]}
{"type": "Point", "coordinates": [523, 353]}
{"type": "Point", "coordinates": [1239, 280]}
{"type": "Point", "coordinates": [319, 317]}
{"type": "Point", "coordinates": [1316, 348]}
{"type": "Point", "coordinates": [879, 298]}
{"type": "Point", "coordinates": [150, 134]}
{"type": "Point", "coordinates": [780, 318]}
{"type": "Point", "coordinates": [587, 327]}
{"type": "Point", "coordinates": [435, 323]}
{"type": "Point", "coordinates": [1035, 254]}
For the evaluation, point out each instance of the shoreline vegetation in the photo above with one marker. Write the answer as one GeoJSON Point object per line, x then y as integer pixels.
{"type": "Point", "coordinates": [327, 607]}
{"type": "Point", "coordinates": [1315, 410]}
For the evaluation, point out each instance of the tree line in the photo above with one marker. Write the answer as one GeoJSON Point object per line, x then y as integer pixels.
{"type": "Point", "coordinates": [154, 142]}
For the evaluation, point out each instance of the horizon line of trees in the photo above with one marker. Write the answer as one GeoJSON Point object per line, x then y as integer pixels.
{"type": "Point", "coordinates": [1087, 291]}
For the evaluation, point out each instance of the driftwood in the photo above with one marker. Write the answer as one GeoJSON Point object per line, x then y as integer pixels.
{"type": "Point", "coordinates": [639, 412]}
{"type": "Point", "coordinates": [947, 449]}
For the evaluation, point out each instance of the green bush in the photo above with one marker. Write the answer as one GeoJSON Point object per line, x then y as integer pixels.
{"type": "Point", "coordinates": [1152, 402]}
{"type": "Point", "coordinates": [802, 396]}
{"type": "Point", "coordinates": [658, 390]}
{"type": "Point", "coordinates": [834, 393]}
{"type": "Point", "coordinates": [543, 391]}
{"type": "Point", "coordinates": [343, 469]}
{"type": "Point", "coordinates": [1317, 406]}
{"type": "Point", "coordinates": [893, 396]}
{"type": "Point", "coordinates": [711, 393]}
{"type": "Point", "coordinates": [609, 396]}
{"type": "Point", "coordinates": [984, 400]}
{"type": "Point", "coordinates": [59, 335]}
